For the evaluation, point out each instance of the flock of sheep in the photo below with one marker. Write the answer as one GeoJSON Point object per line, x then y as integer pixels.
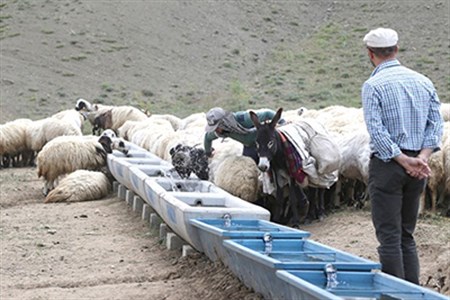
{"type": "Point", "coordinates": [73, 165]}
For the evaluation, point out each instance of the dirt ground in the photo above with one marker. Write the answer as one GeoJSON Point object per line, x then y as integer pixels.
{"type": "Point", "coordinates": [103, 250]}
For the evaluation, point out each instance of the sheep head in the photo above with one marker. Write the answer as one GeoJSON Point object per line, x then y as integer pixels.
{"type": "Point", "coordinates": [181, 160]}
{"type": "Point", "coordinates": [102, 121]}
{"type": "Point", "coordinates": [187, 159]}
{"type": "Point", "coordinates": [106, 143]}
{"type": "Point", "coordinates": [83, 105]}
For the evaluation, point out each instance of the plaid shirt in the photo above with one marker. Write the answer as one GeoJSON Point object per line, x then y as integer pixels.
{"type": "Point", "coordinates": [401, 110]}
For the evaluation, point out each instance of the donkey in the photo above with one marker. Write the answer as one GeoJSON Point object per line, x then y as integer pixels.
{"type": "Point", "coordinates": [271, 151]}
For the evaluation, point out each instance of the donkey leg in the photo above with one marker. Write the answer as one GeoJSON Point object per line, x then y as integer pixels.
{"type": "Point", "coordinates": [321, 212]}
{"type": "Point", "coordinates": [299, 203]}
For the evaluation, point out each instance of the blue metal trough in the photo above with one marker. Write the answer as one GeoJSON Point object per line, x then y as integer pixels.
{"type": "Point", "coordinates": [256, 264]}
{"type": "Point", "coordinates": [300, 284]}
{"type": "Point", "coordinates": [212, 233]}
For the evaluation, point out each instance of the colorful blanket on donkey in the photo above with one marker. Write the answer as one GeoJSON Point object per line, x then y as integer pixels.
{"type": "Point", "coordinates": [293, 160]}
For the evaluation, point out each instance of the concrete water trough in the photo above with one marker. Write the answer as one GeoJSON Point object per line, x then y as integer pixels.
{"type": "Point", "coordinates": [212, 233]}
{"type": "Point", "coordinates": [255, 261]}
{"type": "Point", "coordinates": [138, 174]}
{"type": "Point", "coordinates": [177, 205]}
{"type": "Point", "coordinates": [120, 166]}
{"type": "Point", "coordinates": [301, 284]}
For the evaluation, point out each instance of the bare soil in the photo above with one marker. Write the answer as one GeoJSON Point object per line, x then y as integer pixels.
{"type": "Point", "coordinates": [103, 250]}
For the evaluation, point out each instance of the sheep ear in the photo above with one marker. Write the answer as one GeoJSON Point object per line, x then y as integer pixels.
{"type": "Point", "coordinates": [255, 119]}
{"type": "Point", "coordinates": [172, 151]}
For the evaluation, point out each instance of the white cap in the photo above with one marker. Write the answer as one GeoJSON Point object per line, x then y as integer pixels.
{"type": "Point", "coordinates": [381, 38]}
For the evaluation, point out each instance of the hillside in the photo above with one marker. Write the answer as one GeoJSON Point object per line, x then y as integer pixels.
{"type": "Point", "coordinates": [182, 57]}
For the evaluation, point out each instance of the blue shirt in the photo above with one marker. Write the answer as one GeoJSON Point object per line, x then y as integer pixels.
{"type": "Point", "coordinates": [401, 110]}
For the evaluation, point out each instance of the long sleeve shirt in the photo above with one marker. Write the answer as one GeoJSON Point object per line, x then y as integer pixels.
{"type": "Point", "coordinates": [243, 118]}
{"type": "Point", "coordinates": [401, 111]}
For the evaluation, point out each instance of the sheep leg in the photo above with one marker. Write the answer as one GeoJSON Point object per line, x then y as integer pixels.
{"type": "Point", "coordinates": [48, 186]}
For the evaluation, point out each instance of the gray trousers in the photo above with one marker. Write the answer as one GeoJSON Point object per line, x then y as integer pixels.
{"type": "Point", "coordinates": [395, 204]}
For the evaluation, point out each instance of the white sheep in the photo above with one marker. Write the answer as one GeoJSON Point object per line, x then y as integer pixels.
{"type": "Point", "coordinates": [147, 133]}
{"type": "Point", "coordinates": [174, 121]}
{"type": "Point", "coordinates": [67, 154]}
{"type": "Point", "coordinates": [115, 117]}
{"type": "Point", "coordinates": [438, 183]}
{"type": "Point", "coordinates": [197, 120]}
{"type": "Point", "coordinates": [239, 175]}
{"type": "Point", "coordinates": [71, 116]}
{"type": "Point", "coordinates": [223, 148]}
{"type": "Point", "coordinates": [445, 111]}
{"type": "Point", "coordinates": [13, 141]}
{"type": "Point", "coordinates": [40, 132]}
{"type": "Point", "coordinates": [109, 116]}
{"type": "Point", "coordinates": [81, 185]}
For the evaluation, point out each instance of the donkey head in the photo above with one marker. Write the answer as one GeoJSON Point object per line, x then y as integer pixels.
{"type": "Point", "coordinates": [267, 141]}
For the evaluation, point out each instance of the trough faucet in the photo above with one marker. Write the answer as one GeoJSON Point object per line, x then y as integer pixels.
{"type": "Point", "coordinates": [227, 220]}
{"type": "Point", "coordinates": [267, 238]}
{"type": "Point", "coordinates": [331, 272]}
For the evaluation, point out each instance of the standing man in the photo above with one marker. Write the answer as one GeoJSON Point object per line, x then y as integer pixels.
{"type": "Point", "coordinates": [401, 111]}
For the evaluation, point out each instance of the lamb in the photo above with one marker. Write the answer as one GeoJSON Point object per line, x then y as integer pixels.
{"type": "Point", "coordinates": [239, 175]}
{"type": "Point", "coordinates": [67, 154]}
{"type": "Point", "coordinates": [13, 142]}
{"type": "Point", "coordinates": [81, 185]}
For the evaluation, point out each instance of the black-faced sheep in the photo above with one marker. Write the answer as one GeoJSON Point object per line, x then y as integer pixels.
{"type": "Point", "coordinates": [81, 185]}
{"type": "Point", "coordinates": [83, 105]}
{"type": "Point", "coordinates": [66, 154]}
{"type": "Point", "coordinates": [187, 160]}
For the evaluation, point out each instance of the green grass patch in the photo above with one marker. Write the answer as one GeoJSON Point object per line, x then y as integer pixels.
{"type": "Point", "coordinates": [327, 69]}
{"type": "Point", "coordinates": [78, 57]}
{"type": "Point", "coordinates": [47, 31]}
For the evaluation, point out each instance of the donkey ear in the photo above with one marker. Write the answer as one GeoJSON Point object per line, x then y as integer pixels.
{"type": "Point", "coordinates": [254, 119]}
{"type": "Point", "coordinates": [276, 117]}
